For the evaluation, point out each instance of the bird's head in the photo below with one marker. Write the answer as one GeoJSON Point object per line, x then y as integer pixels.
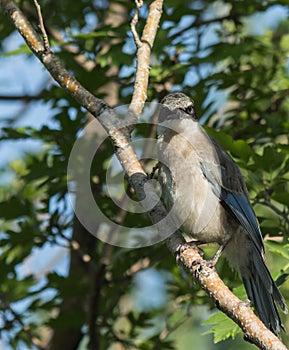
{"type": "Point", "coordinates": [176, 106]}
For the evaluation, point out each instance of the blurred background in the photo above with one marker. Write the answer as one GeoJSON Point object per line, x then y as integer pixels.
{"type": "Point", "coordinates": [62, 288]}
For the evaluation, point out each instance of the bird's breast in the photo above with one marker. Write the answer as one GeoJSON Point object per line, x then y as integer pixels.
{"type": "Point", "coordinates": [186, 191]}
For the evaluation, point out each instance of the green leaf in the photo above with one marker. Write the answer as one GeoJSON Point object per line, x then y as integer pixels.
{"type": "Point", "coordinates": [271, 159]}
{"type": "Point", "coordinates": [98, 34]}
{"type": "Point", "coordinates": [278, 249]}
{"type": "Point", "coordinates": [223, 327]}
{"type": "Point", "coordinates": [14, 208]}
{"type": "Point", "coordinates": [23, 49]}
{"type": "Point", "coordinates": [240, 148]}
{"type": "Point", "coordinates": [264, 211]}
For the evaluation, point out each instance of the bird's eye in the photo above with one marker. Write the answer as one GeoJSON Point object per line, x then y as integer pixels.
{"type": "Point", "coordinates": [190, 110]}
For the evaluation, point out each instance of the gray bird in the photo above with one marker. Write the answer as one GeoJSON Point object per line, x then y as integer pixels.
{"type": "Point", "coordinates": [205, 192]}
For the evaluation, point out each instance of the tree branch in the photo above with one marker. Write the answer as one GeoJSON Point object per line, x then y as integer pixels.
{"type": "Point", "coordinates": [200, 23]}
{"type": "Point", "coordinates": [237, 310]}
{"type": "Point", "coordinates": [139, 4]}
{"type": "Point", "coordinates": [281, 213]}
{"type": "Point", "coordinates": [41, 26]}
{"type": "Point", "coordinates": [25, 98]}
{"type": "Point", "coordinates": [144, 46]}
{"type": "Point", "coordinates": [267, 201]}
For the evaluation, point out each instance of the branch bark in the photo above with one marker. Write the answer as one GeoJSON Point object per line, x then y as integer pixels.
{"type": "Point", "coordinates": [144, 46]}
{"type": "Point", "coordinates": [237, 310]}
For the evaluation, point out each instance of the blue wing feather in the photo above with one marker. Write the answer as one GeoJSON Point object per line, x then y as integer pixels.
{"type": "Point", "coordinates": [240, 208]}
{"type": "Point", "coordinates": [228, 185]}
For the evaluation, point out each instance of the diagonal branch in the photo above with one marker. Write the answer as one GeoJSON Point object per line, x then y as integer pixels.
{"type": "Point", "coordinates": [50, 61]}
{"type": "Point", "coordinates": [237, 310]}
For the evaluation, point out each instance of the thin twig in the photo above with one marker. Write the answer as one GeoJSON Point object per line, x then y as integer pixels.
{"type": "Point", "coordinates": [139, 4]}
{"type": "Point", "coordinates": [200, 23]}
{"type": "Point", "coordinates": [42, 28]}
{"type": "Point", "coordinates": [267, 201]}
{"type": "Point", "coordinates": [278, 211]}
{"type": "Point", "coordinates": [144, 46]}
{"type": "Point", "coordinates": [25, 98]}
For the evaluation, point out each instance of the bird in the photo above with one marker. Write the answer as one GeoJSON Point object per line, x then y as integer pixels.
{"type": "Point", "coordinates": [206, 195]}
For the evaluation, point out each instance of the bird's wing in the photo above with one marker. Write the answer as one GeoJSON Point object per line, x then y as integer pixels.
{"type": "Point", "coordinates": [228, 185]}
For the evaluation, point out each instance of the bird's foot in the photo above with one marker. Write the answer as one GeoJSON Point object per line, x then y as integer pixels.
{"type": "Point", "coordinates": [155, 168]}
{"type": "Point", "coordinates": [212, 262]}
{"type": "Point", "coordinates": [188, 245]}
{"type": "Point", "coordinates": [245, 304]}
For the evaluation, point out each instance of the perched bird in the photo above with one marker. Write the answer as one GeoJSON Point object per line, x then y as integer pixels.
{"type": "Point", "coordinates": [205, 192]}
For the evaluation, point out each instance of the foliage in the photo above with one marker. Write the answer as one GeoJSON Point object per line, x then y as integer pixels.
{"type": "Point", "coordinates": [239, 81]}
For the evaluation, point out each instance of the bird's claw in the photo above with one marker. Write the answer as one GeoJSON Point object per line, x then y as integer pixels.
{"type": "Point", "coordinates": [188, 245]}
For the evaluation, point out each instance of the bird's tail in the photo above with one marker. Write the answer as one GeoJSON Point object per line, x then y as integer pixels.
{"type": "Point", "coordinates": [262, 290]}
